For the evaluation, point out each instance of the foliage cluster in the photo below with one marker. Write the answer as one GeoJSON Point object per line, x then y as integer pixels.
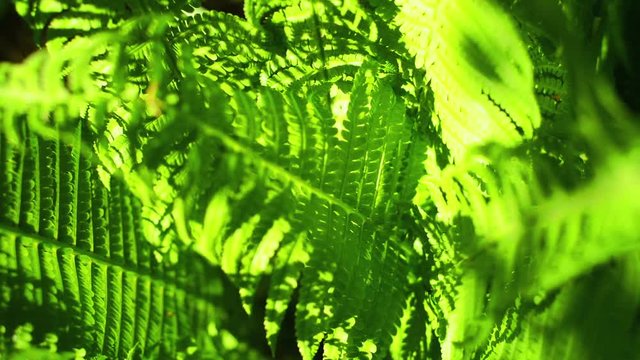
{"type": "Point", "coordinates": [339, 179]}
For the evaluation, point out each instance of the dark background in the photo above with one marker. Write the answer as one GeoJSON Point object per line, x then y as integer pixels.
{"type": "Point", "coordinates": [230, 6]}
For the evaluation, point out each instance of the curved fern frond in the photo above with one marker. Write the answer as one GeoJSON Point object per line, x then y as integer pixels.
{"type": "Point", "coordinates": [48, 88]}
{"type": "Point", "coordinates": [326, 172]}
{"type": "Point", "coordinates": [571, 325]}
{"type": "Point", "coordinates": [60, 20]}
{"type": "Point", "coordinates": [600, 231]}
{"type": "Point", "coordinates": [76, 241]}
{"type": "Point", "coordinates": [486, 94]}
{"type": "Point", "coordinates": [318, 41]}
{"type": "Point", "coordinates": [73, 251]}
{"type": "Point", "coordinates": [224, 48]}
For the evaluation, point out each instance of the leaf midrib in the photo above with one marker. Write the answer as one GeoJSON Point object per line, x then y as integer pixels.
{"type": "Point", "coordinates": [238, 147]}
{"type": "Point", "coordinates": [12, 230]}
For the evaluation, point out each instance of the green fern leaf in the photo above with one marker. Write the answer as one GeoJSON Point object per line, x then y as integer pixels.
{"type": "Point", "coordinates": [336, 171]}
{"type": "Point", "coordinates": [494, 102]}
{"type": "Point", "coordinates": [96, 271]}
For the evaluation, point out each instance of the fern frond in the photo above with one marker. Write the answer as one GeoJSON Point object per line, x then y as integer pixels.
{"type": "Point", "coordinates": [62, 20]}
{"type": "Point", "coordinates": [322, 42]}
{"type": "Point", "coordinates": [73, 250]}
{"type": "Point", "coordinates": [570, 324]}
{"type": "Point", "coordinates": [327, 167]}
{"type": "Point", "coordinates": [48, 88]}
{"type": "Point", "coordinates": [224, 48]}
{"type": "Point", "coordinates": [486, 95]}
{"type": "Point", "coordinates": [73, 233]}
{"type": "Point", "coordinates": [600, 231]}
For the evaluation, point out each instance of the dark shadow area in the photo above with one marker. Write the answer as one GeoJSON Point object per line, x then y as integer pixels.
{"type": "Point", "coordinates": [234, 7]}
{"type": "Point", "coordinates": [16, 38]}
{"type": "Point", "coordinates": [287, 348]}
{"type": "Point", "coordinates": [36, 302]}
{"type": "Point", "coordinates": [195, 273]}
{"type": "Point", "coordinates": [626, 70]}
